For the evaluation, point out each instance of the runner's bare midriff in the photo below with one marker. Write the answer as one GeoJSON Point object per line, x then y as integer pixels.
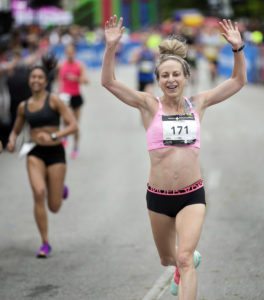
{"type": "Point", "coordinates": [174, 168]}
{"type": "Point", "coordinates": [34, 135]}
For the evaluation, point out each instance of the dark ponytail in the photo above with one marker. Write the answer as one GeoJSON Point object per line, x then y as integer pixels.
{"type": "Point", "coordinates": [49, 61]}
{"type": "Point", "coordinates": [48, 64]}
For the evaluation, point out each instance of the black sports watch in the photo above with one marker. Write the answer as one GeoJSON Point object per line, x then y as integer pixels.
{"type": "Point", "coordinates": [53, 136]}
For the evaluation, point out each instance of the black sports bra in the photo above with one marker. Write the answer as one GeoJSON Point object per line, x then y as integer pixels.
{"type": "Point", "coordinates": [46, 116]}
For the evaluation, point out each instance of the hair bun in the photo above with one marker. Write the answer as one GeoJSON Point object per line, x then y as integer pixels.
{"type": "Point", "coordinates": [173, 45]}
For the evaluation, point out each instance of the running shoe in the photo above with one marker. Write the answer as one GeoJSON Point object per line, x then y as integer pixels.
{"type": "Point", "coordinates": [74, 154]}
{"type": "Point", "coordinates": [44, 251]}
{"type": "Point", "coordinates": [175, 282]}
{"type": "Point", "coordinates": [65, 193]}
{"type": "Point", "coordinates": [176, 278]}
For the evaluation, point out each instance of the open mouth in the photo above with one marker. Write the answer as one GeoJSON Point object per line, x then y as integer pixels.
{"type": "Point", "coordinates": [171, 87]}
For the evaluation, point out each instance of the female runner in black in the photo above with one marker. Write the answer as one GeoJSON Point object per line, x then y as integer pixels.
{"type": "Point", "coordinates": [46, 163]}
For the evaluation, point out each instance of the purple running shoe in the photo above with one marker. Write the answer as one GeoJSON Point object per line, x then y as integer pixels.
{"type": "Point", "coordinates": [65, 193]}
{"type": "Point", "coordinates": [44, 251]}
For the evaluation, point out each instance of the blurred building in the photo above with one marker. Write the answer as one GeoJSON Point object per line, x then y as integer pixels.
{"type": "Point", "coordinates": [6, 19]}
{"type": "Point", "coordinates": [41, 12]}
{"type": "Point", "coordinates": [68, 4]}
{"type": "Point", "coordinates": [136, 13]}
{"type": "Point", "coordinates": [4, 5]}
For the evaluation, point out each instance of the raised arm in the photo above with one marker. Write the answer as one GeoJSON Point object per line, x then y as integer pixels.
{"type": "Point", "coordinates": [113, 34]}
{"type": "Point", "coordinates": [239, 76]}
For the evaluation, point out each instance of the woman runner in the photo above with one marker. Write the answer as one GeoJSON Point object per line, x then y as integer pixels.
{"type": "Point", "coordinates": [46, 164]}
{"type": "Point", "coordinates": [175, 192]}
{"type": "Point", "coordinates": [71, 75]}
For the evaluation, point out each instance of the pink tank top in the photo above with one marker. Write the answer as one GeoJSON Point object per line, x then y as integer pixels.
{"type": "Point", "coordinates": [174, 130]}
{"type": "Point", "coordinates": [66, 85]}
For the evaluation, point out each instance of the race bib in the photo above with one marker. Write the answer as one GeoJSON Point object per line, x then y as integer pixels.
{"type": "Point", "coordinates": [65, 98]}
{"type": "Point", "coordinates": [179, 129]}
{"type": "Point", "coordinates": [26, 148]}
{"type": "Point", "coordinates": [146, 66]}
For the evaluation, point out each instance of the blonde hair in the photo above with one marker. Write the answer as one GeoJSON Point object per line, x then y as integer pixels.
{"type": "Point", "coordinates": [173, 48]}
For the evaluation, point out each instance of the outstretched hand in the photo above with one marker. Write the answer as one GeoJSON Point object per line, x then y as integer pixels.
{"type": "Point", "coordinates": [113, 30]}
{"type": "Point", "coordinates": [231, 33]}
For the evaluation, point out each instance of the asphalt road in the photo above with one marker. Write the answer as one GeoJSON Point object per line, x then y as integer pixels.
{"type": "Point", "coordinates": [102, 243]}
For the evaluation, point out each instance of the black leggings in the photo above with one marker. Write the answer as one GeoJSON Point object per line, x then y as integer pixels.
{"type": "Point", "coordinates": [170, 205]}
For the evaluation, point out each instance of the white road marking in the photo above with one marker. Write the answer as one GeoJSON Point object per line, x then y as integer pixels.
{"type": "Point", "coordinates": [161, 285]}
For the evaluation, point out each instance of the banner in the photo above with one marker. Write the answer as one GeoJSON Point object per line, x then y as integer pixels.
{"type": "Point", "coordinates": [92, 55]}
{"type": "Point", "coordinates": [226, 61]}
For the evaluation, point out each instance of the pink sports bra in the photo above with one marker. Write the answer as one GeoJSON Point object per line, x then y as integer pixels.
{"type": "Point", "coordinates": [174, 130]}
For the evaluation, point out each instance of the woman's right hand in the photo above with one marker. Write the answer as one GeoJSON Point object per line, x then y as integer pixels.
{"type": "Point", "coordinates": [10, 146]}
{"type": "Point", "coordinates": [113, 31]}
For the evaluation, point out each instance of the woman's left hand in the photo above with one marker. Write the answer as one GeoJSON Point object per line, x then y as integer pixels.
{"type": "Point", "coordinates": [231, 33]}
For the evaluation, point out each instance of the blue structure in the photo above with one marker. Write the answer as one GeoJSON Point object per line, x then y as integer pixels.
{"type": "Point", "coordinates": [226, 60]}
{"type": "Point", "coordinates": [92, 55]}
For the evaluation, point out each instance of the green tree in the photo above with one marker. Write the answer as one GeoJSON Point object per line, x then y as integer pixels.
{"type": "Point", "coordinates": [241, 8]}
{"type": "Point", "coordinates": [167, 7]}
{"type": "Point", "coordinates": [248, 8]}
